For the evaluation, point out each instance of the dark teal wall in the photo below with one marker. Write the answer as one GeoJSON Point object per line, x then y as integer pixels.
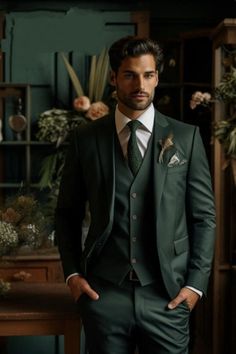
{"type": "Point", "coordinates": [33, 42]}
{"type": "Point", "coordinates": [206, 10]}
{"type": "Point", "coordinates": [167, 18]}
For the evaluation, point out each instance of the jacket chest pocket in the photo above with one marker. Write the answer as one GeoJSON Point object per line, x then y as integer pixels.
{"type": "Point", "coordinates": [181, 169]}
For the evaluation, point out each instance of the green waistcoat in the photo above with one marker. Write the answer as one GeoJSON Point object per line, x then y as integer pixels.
{"type": "Point", "coordinates": [132, 242]}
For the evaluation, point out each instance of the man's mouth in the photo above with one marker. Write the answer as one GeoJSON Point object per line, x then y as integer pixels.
{"type": "Point", "coordinates": [139, 95]}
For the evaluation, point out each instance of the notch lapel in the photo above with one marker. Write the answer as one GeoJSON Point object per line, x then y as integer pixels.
{"type": "Point", "coordinates": [105, 136]}
{"type": "Point", "coordinates": [161, 131]}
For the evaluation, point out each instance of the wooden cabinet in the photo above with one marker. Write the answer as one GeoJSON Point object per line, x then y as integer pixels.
{"type": "Point", "coordinates": [196, 63]}
{"type": "Point", "coordinates": [214, 320]}
{"type": "Point", "coordinates": [33, 268]}
{"type": "Point", "coordinates": [223, 288]}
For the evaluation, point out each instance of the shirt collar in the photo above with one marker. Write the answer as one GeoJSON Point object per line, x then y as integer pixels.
{"type": "Point", "coordinates": [146, 118]}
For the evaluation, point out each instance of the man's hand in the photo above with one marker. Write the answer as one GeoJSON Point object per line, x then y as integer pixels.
{"type": "Point", "coordinates": [79, 285]}
{"type": "Point", "coordinates": [187, 295]}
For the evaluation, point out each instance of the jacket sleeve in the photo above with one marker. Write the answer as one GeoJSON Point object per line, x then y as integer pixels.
{"type": "Point", "coordinates": [200, 216]}
{"type": "Point", "coordinates": [70, 211]}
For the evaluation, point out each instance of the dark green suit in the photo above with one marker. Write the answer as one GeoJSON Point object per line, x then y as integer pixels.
{"type": "Point", "coordinates": [183, 203]}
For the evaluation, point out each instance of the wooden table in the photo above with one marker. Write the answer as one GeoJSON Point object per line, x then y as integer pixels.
{"type": "Point", "coordinates": [41, 309]}
{"type": "Point", "coordinates": [41, 265]}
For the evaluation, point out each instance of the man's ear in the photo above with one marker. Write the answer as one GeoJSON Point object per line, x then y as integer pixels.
{"type": "Point", "coordinates": [112, 78]}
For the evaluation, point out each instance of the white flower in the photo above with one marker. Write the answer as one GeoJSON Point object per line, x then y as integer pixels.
{"type": "Point", "coordinates": [8, 237]}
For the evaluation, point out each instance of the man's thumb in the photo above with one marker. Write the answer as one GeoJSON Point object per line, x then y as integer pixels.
{"type": "Point", "coordinates": [175, 302]}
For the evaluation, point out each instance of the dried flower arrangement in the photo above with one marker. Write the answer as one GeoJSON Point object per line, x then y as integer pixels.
{"type": "Point", "coordinates": [56, 124]}
{"type": "Point", "coordinates": [22, 224]}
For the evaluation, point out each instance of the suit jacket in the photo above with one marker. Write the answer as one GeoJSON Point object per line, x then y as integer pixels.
{"type": "Point", "coordinates": [184, 204]}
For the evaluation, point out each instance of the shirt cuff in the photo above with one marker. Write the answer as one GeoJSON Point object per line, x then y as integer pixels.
{"type": "Point", "coordinates": [200, 293]}
{"type": "Point", "coordinates": [70, 276]}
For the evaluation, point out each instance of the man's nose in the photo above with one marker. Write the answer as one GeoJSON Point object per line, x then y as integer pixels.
{"type": "Point", "coordinates": [140, 83]}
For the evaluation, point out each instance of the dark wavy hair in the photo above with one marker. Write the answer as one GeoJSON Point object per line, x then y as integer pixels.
{"type": "Point", "coordinates": [133, 46]}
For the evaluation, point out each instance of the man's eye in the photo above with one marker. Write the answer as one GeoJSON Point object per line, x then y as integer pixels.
{"type": "Point", "coordinates": [149, 75]}
{"type": "Point", "coordinates": [129, 76]}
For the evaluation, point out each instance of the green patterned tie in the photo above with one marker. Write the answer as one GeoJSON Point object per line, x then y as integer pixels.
{"type": "Point", "coordinates": [133, 152]}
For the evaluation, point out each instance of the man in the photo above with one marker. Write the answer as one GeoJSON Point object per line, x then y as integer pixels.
{"type": "Point", "coordinates": [147, 257]}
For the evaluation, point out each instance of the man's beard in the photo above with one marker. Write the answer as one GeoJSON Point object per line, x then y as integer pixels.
{"type": "Point", "coordinates": [133, 104]}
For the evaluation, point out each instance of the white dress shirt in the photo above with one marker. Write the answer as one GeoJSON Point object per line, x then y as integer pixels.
{"type": "Point", "coordinates": [143, 133]}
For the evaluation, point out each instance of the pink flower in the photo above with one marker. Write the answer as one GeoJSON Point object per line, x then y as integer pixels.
{"type": "Point", "coordinates": [193, 104]}
{"type": "Point", "coordinates": [97, 110]}
{"type": "Point", "coordinates": [206, 97]}
{"type": "Point", "coordinates": [81, 104]}
{"type": "Point", "coordinates": [200, 98]}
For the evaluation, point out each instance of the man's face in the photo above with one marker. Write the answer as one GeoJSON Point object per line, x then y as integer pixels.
{"type": "Point", "coordinates": [135, 84]}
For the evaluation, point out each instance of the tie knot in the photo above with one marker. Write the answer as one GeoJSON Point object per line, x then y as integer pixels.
{"type": "Point", "coordinates": [133, 125]}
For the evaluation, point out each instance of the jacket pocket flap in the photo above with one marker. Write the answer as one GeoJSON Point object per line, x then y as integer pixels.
{"type": "Point", "coordinates": [177, 169]}
{"type": "Point", "coordinates": [181, 245]}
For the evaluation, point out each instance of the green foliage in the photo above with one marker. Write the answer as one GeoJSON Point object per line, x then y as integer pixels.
{"type": "Point", "coordinates": [4, 288]}
{"type": "Point", "coordinates": [226, 90]}
{"type": "Point", "coordinates": [225, 130]}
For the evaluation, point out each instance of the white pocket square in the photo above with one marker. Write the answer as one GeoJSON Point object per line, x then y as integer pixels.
{"type": "Point", "coordinates": [176, 160]}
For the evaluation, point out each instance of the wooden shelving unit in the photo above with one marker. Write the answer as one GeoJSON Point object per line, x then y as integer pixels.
{"type": "Point", "coordinates": [10, 148]}
{"type": "Point", "coordinates": [223, 321]}
{"type": "Point", "coordinates": [200, 56]}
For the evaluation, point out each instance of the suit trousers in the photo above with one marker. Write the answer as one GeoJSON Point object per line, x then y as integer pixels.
{"type": "Point", "coordinates": [132, 316]}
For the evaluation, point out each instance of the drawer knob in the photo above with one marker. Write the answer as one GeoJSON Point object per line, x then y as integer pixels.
{"type": "Point", "coordinates": [21, 276]}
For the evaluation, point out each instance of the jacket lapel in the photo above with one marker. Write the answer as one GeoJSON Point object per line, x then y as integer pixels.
{"type": "Point", "coordinates": [161, 131]}
{"type": "Point", "coordinates": [105, 141]}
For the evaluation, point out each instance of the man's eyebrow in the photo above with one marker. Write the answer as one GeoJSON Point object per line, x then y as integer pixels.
{"type": "Point", "coordinates": [146, 72]}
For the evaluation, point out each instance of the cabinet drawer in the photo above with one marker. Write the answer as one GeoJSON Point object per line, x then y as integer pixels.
{"type": "Point", "coordinates": [24, 274]}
